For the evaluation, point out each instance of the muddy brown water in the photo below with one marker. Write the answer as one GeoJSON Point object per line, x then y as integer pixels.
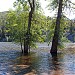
{"type": "Point", "coordinates": [38, 62]}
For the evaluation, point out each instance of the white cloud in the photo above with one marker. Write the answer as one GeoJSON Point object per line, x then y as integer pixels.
{"type": "Point", "coordinates": [73, 1]}
{"type": "Point", "coordinates": [6, 5]}
{"type": "Point", "coordinates": [47, 12]}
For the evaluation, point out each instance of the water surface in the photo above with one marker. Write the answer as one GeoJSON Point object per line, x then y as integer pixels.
{"type": "Point", "coordinates": [38, 62]}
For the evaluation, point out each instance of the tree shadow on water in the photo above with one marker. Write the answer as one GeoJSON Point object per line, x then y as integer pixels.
{"type": "Point", "coordinates": [23, 66]}
{"type": "Point", "coordinates": [24, 71]}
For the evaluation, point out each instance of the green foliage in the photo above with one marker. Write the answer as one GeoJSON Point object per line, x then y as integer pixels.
{"type": "Point", "coordinates": [52, 4]}
{"type": "Point", "coordinates": [51, 30]}
{"type": "Point", "coordinates": [18, 21]}
{"type": "Point", "coordinates": [62, 36]}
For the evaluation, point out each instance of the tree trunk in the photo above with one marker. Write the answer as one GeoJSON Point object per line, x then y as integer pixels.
{"type": "Point", "coordinates": [57, 30]}
{"type": "Point", "coordinates": [21, 44]}
{"type": "Point", "coordinates": [27, 39]}
{"type": "Point", "coordinates": [25, 47]}
{"type": "Point", "coordinates": [3, 33]}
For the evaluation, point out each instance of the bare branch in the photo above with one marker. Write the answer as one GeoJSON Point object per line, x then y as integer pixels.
{"type": "Point", "coordinates": [71, 2]}
{"type": "Point", "coordinates": [30, 4]}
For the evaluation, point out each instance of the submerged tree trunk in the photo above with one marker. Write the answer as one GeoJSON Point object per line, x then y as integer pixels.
{"type": "Point", "coordinates": [57, 30]}
{"type": "Point", "coordinates": [21, 44]}
{"type": "Point", "coordinates": [25, 47]}
{"type": "Point", "coordinates": [28, 34]}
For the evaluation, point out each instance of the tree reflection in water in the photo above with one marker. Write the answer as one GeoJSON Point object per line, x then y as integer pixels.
{"type": "Point", "coordinates": [23, 66]}
{"type": "Point", "coordinates": [39, 62]}
{"type": "Point", "coordinates": [56, 70]}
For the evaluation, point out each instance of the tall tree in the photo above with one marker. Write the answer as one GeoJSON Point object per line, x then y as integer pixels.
{"type": "Point", "coordinates": [28, 34]}
{"type": "Point", "coordinates": [57, 29]}
{"type": "Point", "coordinates": [27, 24]}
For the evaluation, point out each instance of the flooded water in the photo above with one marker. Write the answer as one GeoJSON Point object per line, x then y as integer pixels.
{"type": "Point", "coordinates": [38, 62]}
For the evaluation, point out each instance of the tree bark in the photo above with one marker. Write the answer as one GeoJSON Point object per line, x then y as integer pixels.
{"type": "Point", "coordinates": [21, 44]}
{"type": "Point", "coordinates": [57, 30]}
{"type": "Point", "coordinates": [28, 34]}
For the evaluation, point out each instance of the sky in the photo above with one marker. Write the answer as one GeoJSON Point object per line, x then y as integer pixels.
{"type": "Point", "coordinates": [5, 5]}
{"type": "Point", "coordinates": [44, 4]}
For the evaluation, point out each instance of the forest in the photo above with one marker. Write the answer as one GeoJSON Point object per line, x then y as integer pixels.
{"type": "Point", "coordinates": [27, 25]}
